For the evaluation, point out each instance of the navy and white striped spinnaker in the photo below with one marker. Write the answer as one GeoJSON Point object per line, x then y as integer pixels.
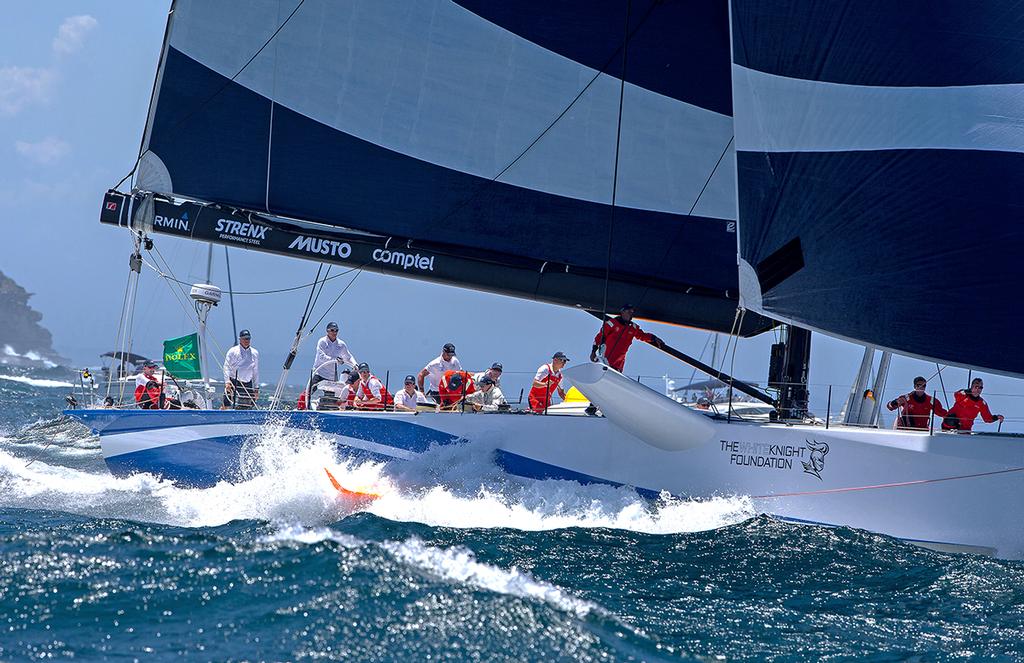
{"type": "Point", "coordinates": [880, 160]}
{"type": "Point", "coordinates": [487, 135]}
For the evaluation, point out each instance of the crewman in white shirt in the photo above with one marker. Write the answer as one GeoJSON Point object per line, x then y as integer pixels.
{"type": "Point", "coordinates": [241, 374]}
{"type": "Point", "coordinates": [494, 372]}
{"type": "Point", "coordinates": [408, 398]}
{"type": "Point", "coordinates": [330, 351]}
{"type": "Point", "coordinates": [487, 398]}
{"type": "Point", "coordinates": [447, 361]}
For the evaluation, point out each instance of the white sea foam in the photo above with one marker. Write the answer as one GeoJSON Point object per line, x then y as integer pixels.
{"type": "Point", "coordinates": [284, 482]}
{"type": "Point", "coordinates": [36, 382]}
{"type": "Point", "coordinates": [460, 565]}
{"type": "Point", "coordinates": [456, 564]}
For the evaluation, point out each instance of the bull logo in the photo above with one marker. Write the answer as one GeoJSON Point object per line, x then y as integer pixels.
{"type": "Point", "coordinates": [816, 464]}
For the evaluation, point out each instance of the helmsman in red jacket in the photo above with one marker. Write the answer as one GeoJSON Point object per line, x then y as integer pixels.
{"type": "Point", "coordinates": [917, 407]}
{"type": "Point", "coordinates": [969, 404]}
{"type": "Point", "coordinates": [615, 337]}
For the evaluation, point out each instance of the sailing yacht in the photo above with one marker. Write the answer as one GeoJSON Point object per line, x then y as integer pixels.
{"type": "Point", "coordinates": [726, 165]}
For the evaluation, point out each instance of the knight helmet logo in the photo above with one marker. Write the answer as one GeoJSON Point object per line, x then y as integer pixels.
{"type": "Point", "coordinates": [816, 464]}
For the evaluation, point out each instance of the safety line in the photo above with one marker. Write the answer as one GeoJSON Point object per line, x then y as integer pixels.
{"type": "Point", "coordinates": [898, 484]}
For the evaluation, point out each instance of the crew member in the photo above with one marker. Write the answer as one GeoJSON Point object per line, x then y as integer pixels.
{"type": "Point", "coordinates": [149, 388]}
{"type": "Point", "coordinates": [487, 398]}
{"type": "Point", "coordinates": [241, 374]}
{"type": "Point", "coordinates": [446, 361]}
{"type": "Point", "coordinates": [917, 407]}
{"type": "Point", "coordinates": [330, 351]}
{"type": "Point", "coordinates": [453, 387]}
{"type": "Point", "coordinates": [616, 335]}
{"type": "Point", "coordinates": [546, 382]}
{"type": "Point", "coordinates": [408, 398]}
{"type": "Point", "coordinates": [969, 404]}
{"type": "Point", "coordinates": [346, 396]}
{"type": "Point", "coordinates": [370, 392]}
{"type": "Point", "coordinates": [494, 372]}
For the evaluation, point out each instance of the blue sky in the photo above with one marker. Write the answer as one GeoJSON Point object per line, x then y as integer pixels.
{"type": "Point", "coordinates": [75, 81]}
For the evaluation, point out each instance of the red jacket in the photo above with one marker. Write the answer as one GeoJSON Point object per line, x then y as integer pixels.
{"type": "Point", "coordinates": [966, 409]}
{"type": "Point", "coordinates": [617, 335]}
{"type": "Point", "coordinates": [451, 395]}
{"type": "Point", "coordinates": [917, 413]}
{"type": "Point", "coordinates": [148, 395]}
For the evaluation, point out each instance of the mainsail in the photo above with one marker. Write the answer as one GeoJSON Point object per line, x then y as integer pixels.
{"type": "Point", "coordinates": [486, 138]}
{"type": "Point", "coordinates": [880, 172]}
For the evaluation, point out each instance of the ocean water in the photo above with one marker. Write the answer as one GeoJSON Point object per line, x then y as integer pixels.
{"type": "Point", "coordinates": [454, 562]}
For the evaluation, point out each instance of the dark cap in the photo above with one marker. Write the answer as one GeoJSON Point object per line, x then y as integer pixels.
{"type": "Point", "coordinates": [486, 380]}
{"type": "Point", "coordinates": [455, 381]}
{"type": "Point", "coordinates": [332, 326]}
{"type": "Point", "coordinates": [244, 334]}
{"type": "Point", "coordinates": [149, 363]}
{"type": "Point", "coordinates": [363, 366]}
{"type": "Point", "coordinates": [559, 355]}
{"type": "Point", "coordinates": [627, 307]}
{"type": "Point", "coordinates": [352, 378]}
{"type": "Point", "coordinates": [496, 366]}
{"type": "Point", "coordinates": [410, 379]}
{"type": "Point", "coordinates": [449, 347]}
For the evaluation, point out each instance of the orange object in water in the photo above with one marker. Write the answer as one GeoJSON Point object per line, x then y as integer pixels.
{"type": "Point", "coordinates": [351, 494]}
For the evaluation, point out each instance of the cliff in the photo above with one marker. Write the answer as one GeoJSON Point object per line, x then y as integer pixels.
{"type": "Point", "coordinates": [23, 341]}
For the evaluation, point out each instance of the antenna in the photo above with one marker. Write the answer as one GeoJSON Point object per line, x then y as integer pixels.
{"type": "Point", "coordinates": [206, 296]}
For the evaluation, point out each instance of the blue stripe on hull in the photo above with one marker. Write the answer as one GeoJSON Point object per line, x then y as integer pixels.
{"type": "Point", "coordinates": [204, 463]}
{"type": "Point", "coordinates": [535, 469]}
{"type": "Point", "coordinates": [387, 430]}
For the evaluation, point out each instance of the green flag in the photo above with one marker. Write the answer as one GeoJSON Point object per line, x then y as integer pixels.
{"type": "Point", "coordinates": [181, 357]}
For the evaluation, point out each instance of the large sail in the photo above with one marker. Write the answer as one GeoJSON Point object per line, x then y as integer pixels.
{"type": "Point", "coordinates": [492, 133]}
{"type": "Point", "coordinates": [880, 172]}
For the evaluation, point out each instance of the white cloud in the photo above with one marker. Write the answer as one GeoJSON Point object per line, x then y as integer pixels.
{"type": "Point", "coordinates": [71, 34]}
{"type": "Point", "coordinates": [48, 150]}
{"type": "Point", "coordinates": [21, 86]}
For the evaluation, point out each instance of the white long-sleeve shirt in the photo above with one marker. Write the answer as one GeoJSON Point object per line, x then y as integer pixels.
{"type": "Point", "coordinates": [242, 364]}
{"type": "Point", "coordinates": [487, 400]}
{"type": "Point", "coordinates": [436, 369]}
{"type": "Point", "coordinates": [327, 354]}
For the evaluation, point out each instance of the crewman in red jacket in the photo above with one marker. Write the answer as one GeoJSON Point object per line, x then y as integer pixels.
{"type": "Point", "coordinates": [615, 337]}
{"type": "Point", "coordinates": [917, 407]}
{"type": "Point", "coordinates": [969, 404]}
{"type": "Point", "coordinates": [454, 385]}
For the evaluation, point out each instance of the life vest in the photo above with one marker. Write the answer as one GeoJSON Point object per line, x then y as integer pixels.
{"type": "Point", "coordinates": [148, 395]}
{"type": "Point", "coordinates": [451, 395]}
{"type": "Point", "coordinates": [366, 392]}
{"type": "Point", "coordinates": [301, 405]}
{"type": "Point", "coordinates": [540, 397]}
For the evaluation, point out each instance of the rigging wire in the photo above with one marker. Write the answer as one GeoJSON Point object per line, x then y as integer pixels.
{"type": "Point", "coordinates": [193, 315]}
{"type": "Point", "coordinates": [317, 323]}
{"type": "Point", "coordinates": [238, 73]}
{"type": "Point", "coordinates": [472, 196]}
{"type": "Point", "coordinates": [275, 291]}
{"type": "Point", "coordinates": [117, 339]}
{"type": "Point", "coordinates": [615, 168]}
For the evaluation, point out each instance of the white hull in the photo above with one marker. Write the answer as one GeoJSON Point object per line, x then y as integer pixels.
{"type": "Point", "coordinates": [948, 491]}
